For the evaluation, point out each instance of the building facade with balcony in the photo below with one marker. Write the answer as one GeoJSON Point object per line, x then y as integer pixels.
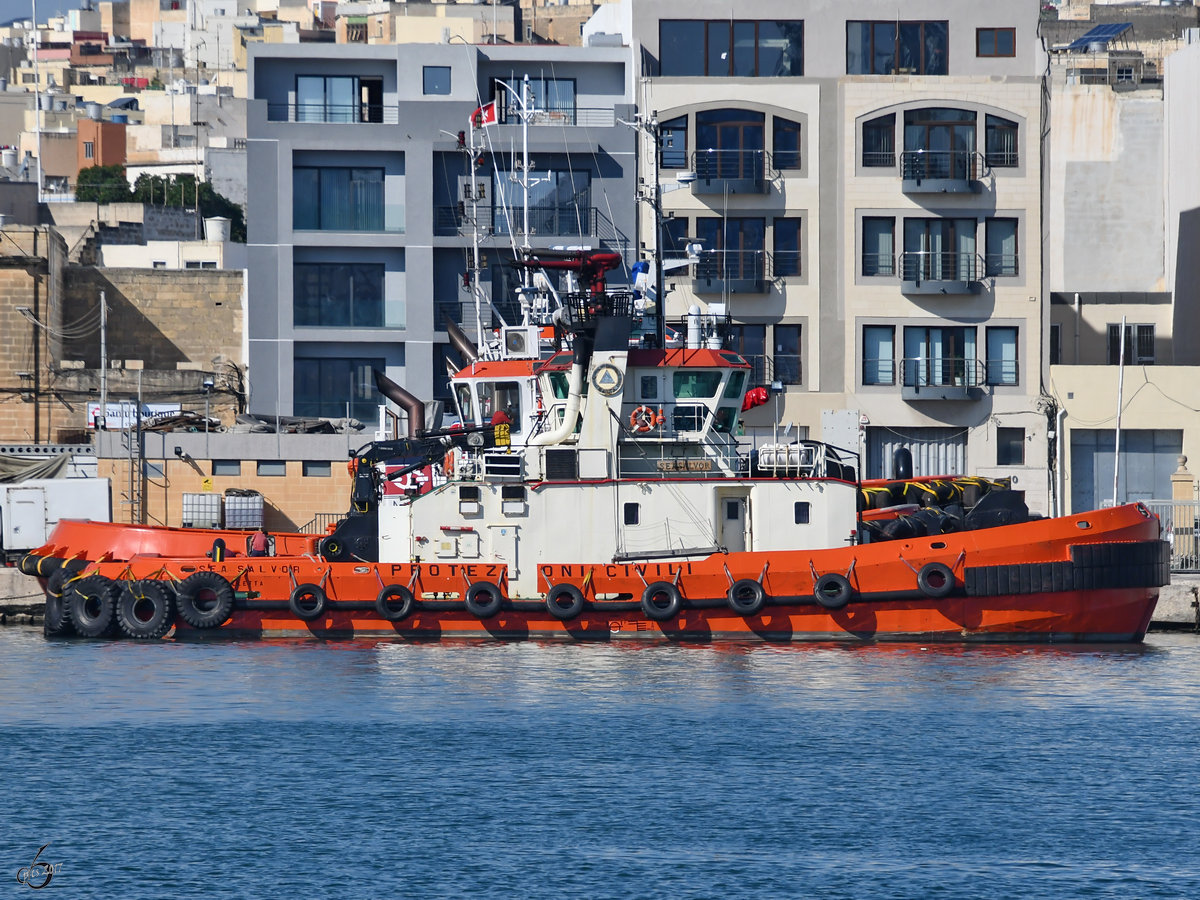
{"type": "Point", "coordinates": [363, 204]}
{"type": "Point", "coordinates": [867, 193]}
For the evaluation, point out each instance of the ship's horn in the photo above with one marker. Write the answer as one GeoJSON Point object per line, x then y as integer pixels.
{"type": "Point", "coordinates": [406, 401]}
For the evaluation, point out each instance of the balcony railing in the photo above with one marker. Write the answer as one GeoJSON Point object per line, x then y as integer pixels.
{"type": "Point", "coordinates": [784, 263]}
{"type": "Point", "coordinates": [785, 368]}
{"type": "Point", "coordinates": [942, 171]}
{"type": "Point", "coordinates": [585, 117]}
{"type": "Point", "coordinates": [731, 271]}
{"type": "Point", "coordinates": [334, 113]}
{"type": "Point", "coordinates": [1001, 264]}
{"type": "Point", "coordinates": [926, 272]}
{"type": "Point", "coordinates": [555, 221]}
{"type": "Point", "coordinates": [1181, 528]}
{"type": "Point", "coordinates": [732, 171]}
{"type": "Point", "coordinates": [940, 377]}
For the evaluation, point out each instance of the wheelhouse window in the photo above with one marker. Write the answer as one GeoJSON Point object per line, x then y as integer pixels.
{"type": "Point", "coordinates": [879, 354]}
{"type": "Point", "coordinates": [939, 250]}
{"type": "Point", "coordinates": [786, 254]}
{"type": "Point", "coordinates": [1139, 345]}
{"type": "Point", "coordinates": [785, 143]}
{"type": "Point", "coordinates": [500, 404]}
{"type": "Point", "coordinates": [896, 48]}
{"type": "Point", "coordinates": [1002, 355]}
{"type": "Point", "coordinates": [995, 42]}
{"type": "Point", "coordinates": [730, 144]}
{"type": "Point", "coordinates": [335, 198]}
{"type": "Point", "coordinates": [879, 142]}
{"type": "Point", "coordinates": [338, 295]}
{"type": "Point", "coordinates": [731, 48]}
{"type": "Point", "coordinates": [1000, 142]}
{"type": "Point", "coordinates": [879, 245]}
{"type": "Point", "coordinates": [332, 387]}
{"type": "Point", "coordinates": [1000, 257]}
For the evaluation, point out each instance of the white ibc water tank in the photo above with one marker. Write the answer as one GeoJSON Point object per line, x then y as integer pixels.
{"type": "Point", "coordinates": [8, 157]}
{"type": "Point", "coordinates": [216, 228]}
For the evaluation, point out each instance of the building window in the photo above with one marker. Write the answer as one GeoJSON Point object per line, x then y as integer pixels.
{"type": "Point", "coordinates": [785, 143]}
{"type": "Point", "coordinates": [89, 150]}
{"type": "Point", "coordinates": [734, 249]}
{"type": "Point", "coordinates": [560, 203]}
{"type": "Point", "coordinates": [729, 144]}
{"type": "Point", "coordinates": [1002, 355]}
{"type": "Point", "coordinates": [632, 514]}
{"type": "Point", "coordinates": [436, 79]}
{"type": "Point", "coordinates": [995, 42]}
{"type": "Point", "coordinates": [673, 143]}
{"type": "Point", "coordinates": [1000, 142]}
{"type": "Point", "coordinates": [337, 99]}
{"type": "Point", "coordinates": [750, 342]}
{"type": "Point", "coordinates": [939, 142]}
{"type": "Point", "coordinates": [554, 98]}
{"type": "Point", "coordinates": [896, 48]}
{"type": "Point", "coordinates": [159, 264]}
{"type": "Point", "coordinates": [1010, 446]}
{"type": "Point", "coordinates": [879, 142]}
{"type": "Point", "coordinates": [317, 469]}
{"type": "Point", "coordinates": [227, 467]}
{"type": "Point", "coordinates": [801, 512]}
{"type": "Point", "coordinates": [335, 198]}
{"type": "Point", "coordinates": [939, 250]}
{"type": "Point", "coordinates": [786, 256]}
{"type": "Point", "coordinates": [785, 364]}
{"type": "Point", "coordinates": [200, 264]}
{"type": "Point", "coordinates": [338, 295]}
{"type": "Point", "coordinates": [272, 468]}
{"type": "Point", "coordinates": [879, 245]}
{"type": "Point", "coordinates": [940, 356]}
{"type": "Point", "coordinates": [879, 354]}
{"type": "Point", "coordinates": [1139, 345]}
{"type": "Point", "coordinates": [731, 48]}
{"type": "Point", "coordinates": [336, 387]}
{"type": "Point", "coordinates": [1055, 344]}
{"type": "Point", "coordinates": [1000, 257]}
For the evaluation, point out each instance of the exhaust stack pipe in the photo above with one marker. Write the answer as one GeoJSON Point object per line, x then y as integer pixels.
{"type": "Point", "coordinates": [460, 342]}
{"type": "Point", "coordinates": [406, 401]}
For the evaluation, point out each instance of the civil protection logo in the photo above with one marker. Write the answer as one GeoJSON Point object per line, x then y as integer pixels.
{"type": "Point", "coordinates": [38, 875]}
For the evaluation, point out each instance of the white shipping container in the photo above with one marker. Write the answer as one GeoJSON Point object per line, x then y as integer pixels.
{"type": "Point", "coordinates": [29, 510]}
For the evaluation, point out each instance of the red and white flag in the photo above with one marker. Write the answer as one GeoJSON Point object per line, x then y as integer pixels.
{"type": "Point", "coordinates": [485, 115]}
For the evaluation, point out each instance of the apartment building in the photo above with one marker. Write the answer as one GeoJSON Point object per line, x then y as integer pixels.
{"type": "Point", "coordinates": [362, 203]}
{"type": "Point", "coordinates": [867, 191]}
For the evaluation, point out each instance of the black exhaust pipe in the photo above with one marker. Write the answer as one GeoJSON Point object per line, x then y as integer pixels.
{"type": "Point", "coordinates": [406, 401]}
{"type": "Point", "coordinates": [460, 342]}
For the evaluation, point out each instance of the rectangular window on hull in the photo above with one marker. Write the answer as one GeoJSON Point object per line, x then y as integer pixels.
{"type": "Point", "coordinates": [632, 514]}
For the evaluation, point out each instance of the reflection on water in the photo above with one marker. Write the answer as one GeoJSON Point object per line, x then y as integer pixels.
{"type": "Point", "coordinates": [370, 768]}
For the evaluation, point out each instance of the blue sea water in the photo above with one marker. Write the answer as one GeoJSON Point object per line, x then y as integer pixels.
{"type": "Point", "coordinates": [376, 769]}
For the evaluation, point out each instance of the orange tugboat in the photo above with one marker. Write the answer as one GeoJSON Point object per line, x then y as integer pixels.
{"type": "Point", "coordinates": [595, 490]}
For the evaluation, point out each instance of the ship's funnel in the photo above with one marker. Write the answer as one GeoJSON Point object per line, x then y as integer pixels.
{"type": "Point", "coordinates": [406, 401]}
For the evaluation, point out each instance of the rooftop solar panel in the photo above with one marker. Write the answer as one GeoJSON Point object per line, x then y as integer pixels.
{"type": "Point", "coordinates": [1101, 34]}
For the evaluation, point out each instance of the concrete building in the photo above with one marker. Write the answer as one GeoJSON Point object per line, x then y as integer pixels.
{"type": "Point", "coordinates": [868, 195]}
{"type": "Point", "coordinates": [358, 231]}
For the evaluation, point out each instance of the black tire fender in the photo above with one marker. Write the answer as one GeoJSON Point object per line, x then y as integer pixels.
{"type": "Point", "coordinates": [564, 601]}
{"type": "Point", "coordinates": [936, 580]}
{"type": "Point", "coordinates": [483, 599]}
{"type": "Point", "coordinates": [661, 601]}
{"type": "Point", "coordinates": [145, 610]}
{"type": "Point", "coordinates": [746, 597]}
{"type": "Point", "coordinates": [89, 604]}
{"type": "Point", "coordinates": [395, 603]}
{"type": "Point", "coordinates": [28, 564]}
{"type": "Point", "coordinates": [204, 599]}
{"type": "Point", "coordinates": [308, 601]}
{"type": "Point", "coordinates": [46, 566]}
{"type": "Point", "coordinates": [833, 591]}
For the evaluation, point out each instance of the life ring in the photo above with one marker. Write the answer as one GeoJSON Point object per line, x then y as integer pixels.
{"type": "Point", "coordinates": [145, 610]}
{"type": "Point", "coordinates": [641, 420]}
{"type": "Point", "coordinates": [483, 599]}
{"type": "Point", "coordinates": [564, 601]}
{"type": "Point", "coordinates": [89, 605]}
{"type": "Point", "coordinates": [833, 591]}
{"type": "Point", "coordinates": [746, 597]}
{"type": "Point", "coordinates": [936, 580]}
{"type": "Point", "coordinates": [205, 599]}
{"type": "Point", "coordinates": [307, 601]}
{"type": "Point", "coordinates": [661, 601]}
{"type": "Point", "coordinates": [395, 602]}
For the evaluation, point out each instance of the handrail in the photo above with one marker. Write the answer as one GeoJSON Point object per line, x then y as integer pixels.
{"type": "Point", "coordinates": [953, 265]}
{"type": "Point", "coordinates": [957, 165]}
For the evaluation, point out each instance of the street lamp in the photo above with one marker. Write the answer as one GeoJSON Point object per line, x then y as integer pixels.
{"type": "Point", "coordinates": [207, 384]}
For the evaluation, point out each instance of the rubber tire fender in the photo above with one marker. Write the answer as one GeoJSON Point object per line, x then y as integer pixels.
{"type": "Point", "coordinates": [665, 589]}
{"type": "Point", "coordinates": [308, 601]}
{"type": "Point", "coordinates": [130, 602]}
{"type": "Point", "coordinates": [391, 594]}
{"type": "Point", "coordinates": [55, 620]}
{"type": "Point", "coordinates": [936, 580]}
{"type": "Point", "coordinates": [746, 597]}
{"type": "Point", "coordinates": [47, 565]}
{"type": "Point", "coordinates": [564, 601]}
{"type": "Point", "coordinates": [204, 599]}
{"type": "Point", "coordinates": [28, 564]}
{"type": "Point", "coordinates": [90, 603]}
{"type": "Point", "coordinates": [833, 591]}
{"type": "Point", "coordinates": [483, 599]}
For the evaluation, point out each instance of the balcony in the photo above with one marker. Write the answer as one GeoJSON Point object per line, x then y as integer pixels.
{"type": "Point", "coordinates": [730, 172]}
{"type": "Point", "coordinates": [333, 113]}
{"type": "Point", "coordinates": [786, 368]}
{"type": "Point", "coordinates": [925, 272]}
{"type": "Point", "coordinates": [544, 221]}
{"type": "Point", "coordinates": [731, 272]}
{"type": "Point", "coordinates": [584, 117]}
{"type": "Point", "coordinates": [942, 171]}
{"type": "Point", "coordinates": [941, 378]}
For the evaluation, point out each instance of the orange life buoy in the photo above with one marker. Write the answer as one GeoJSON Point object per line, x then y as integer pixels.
{"type": "Point", "coordinates": [448, 464]}
{"type": "Point", "coordinates": [641, 420]}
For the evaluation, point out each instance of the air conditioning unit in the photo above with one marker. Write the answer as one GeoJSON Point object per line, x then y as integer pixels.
{"type": "Point", "coordinates": [520, 342]}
